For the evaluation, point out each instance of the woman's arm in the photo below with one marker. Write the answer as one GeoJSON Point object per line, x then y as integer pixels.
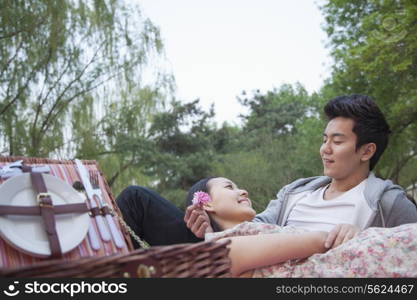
{"type": "Point", "coordinates": [255, 251]}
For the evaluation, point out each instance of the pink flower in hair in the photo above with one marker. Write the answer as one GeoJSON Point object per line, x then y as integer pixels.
{"type": "Point", "coordinates": [201, 198]}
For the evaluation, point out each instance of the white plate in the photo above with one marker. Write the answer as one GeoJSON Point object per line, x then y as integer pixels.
{"type": "Point", "coordinates": [27, 233]}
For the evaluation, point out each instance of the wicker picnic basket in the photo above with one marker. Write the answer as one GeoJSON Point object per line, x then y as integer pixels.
{"type": "Point", "coordinates": [199, 260]}
{"type": "Point", "coordinates": [204, 259]}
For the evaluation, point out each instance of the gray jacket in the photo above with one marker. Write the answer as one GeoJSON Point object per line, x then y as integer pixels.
{"type": "Point", "coordinates": [389, 203]}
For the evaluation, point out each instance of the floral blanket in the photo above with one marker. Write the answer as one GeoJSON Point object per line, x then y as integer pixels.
{"type": "Point", "coordinates": [374, 252]}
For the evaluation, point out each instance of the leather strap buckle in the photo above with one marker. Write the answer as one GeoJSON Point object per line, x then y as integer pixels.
{"type": "Point", "coordinates": [39, 199]}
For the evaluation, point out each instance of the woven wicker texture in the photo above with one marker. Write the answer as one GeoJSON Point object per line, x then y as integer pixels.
{"type": "Point", "coordinates": [204, 259]}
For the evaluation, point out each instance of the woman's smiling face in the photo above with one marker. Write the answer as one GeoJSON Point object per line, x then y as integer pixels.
{"type": "Point", "coordinates": [229, 203]}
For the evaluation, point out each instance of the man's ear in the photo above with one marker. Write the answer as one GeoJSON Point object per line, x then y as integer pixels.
{"type": "Point", "coordinates": [368, 150]}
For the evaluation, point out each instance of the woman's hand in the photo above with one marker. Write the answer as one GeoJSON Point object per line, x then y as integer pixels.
{"type": "Point", "coordinates": [197, 220]}
{"type": "Point", "coordinates": [340, 234]}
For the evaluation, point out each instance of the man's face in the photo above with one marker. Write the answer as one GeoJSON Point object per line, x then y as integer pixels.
{"type": "Point", "coordinates": [338, 151]}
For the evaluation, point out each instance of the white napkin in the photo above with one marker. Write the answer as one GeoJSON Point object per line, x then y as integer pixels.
{"type": "Point", "coordinates": [15, 168]}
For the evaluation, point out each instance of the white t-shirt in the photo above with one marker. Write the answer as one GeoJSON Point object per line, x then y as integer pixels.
{"type": "Point", "coordinates": [313, 213]}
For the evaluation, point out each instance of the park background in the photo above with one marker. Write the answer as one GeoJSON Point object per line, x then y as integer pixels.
{"type": "Point", "coordinates": [92, 80]}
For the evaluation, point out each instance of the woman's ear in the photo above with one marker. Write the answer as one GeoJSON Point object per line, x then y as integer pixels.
{"type": "Point", "coordinates": [368, 150]}
{"type": "Point", "coordinates": [208, 207]}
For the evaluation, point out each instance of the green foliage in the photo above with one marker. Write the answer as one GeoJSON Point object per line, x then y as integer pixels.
{"type": "Point", "coordinates": [54, 55]}
{"type": "Point", "coordinates": [181, 148]}
{"type": "Point", "coordinates": [374, 44]}
{"type": "Point", "coordinates": [277, 111]}
{"type": "Point", "coordinates": [305, 154]}
{"type": "Point", "coordinates": [227, 139]}
{"type": "Point", "coordinates": [71, 82]}
{"type": "Point", "coordinates": [72, 85]}
{"type": "Point", "coordinates": [121, 141]}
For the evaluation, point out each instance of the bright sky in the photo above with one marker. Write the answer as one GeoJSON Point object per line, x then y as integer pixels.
{"type": "Point", "coordinates": [218, 48]}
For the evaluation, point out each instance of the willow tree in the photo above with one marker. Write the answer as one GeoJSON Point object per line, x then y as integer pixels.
{"type": "Point", "coordinates": [374, 44]}
{"type": "Point", "coordinates": [63, 59]}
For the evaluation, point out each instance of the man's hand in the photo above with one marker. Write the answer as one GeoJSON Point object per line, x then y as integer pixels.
{"type": "Point", "coordinates": [340, 234]}
{"type": "Point", "coordinates": [197, 220]}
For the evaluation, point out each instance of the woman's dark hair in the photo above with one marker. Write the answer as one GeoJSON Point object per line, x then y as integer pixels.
{"type": "Point", "coordinates": [369, 126]}
{"type": "Point", "coordinates": [201, 185]}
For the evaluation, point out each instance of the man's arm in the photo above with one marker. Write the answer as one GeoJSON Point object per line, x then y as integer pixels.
{"type": "Point", "coordinates": [403, 211]}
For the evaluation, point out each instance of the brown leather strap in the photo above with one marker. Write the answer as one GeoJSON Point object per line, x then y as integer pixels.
{"type": "Point", "coordinates": [105, 210]}
{"type": "Point", "coordinates": [47, 213]}
{"type": "Point", "coordinates": [36, 210]}
{"type": "Point", "coordinates": [95, 211]}
{"type": "Point", "coordinates": [26, 169]}
{"type": "Point", "coordinates": [46, 209]}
